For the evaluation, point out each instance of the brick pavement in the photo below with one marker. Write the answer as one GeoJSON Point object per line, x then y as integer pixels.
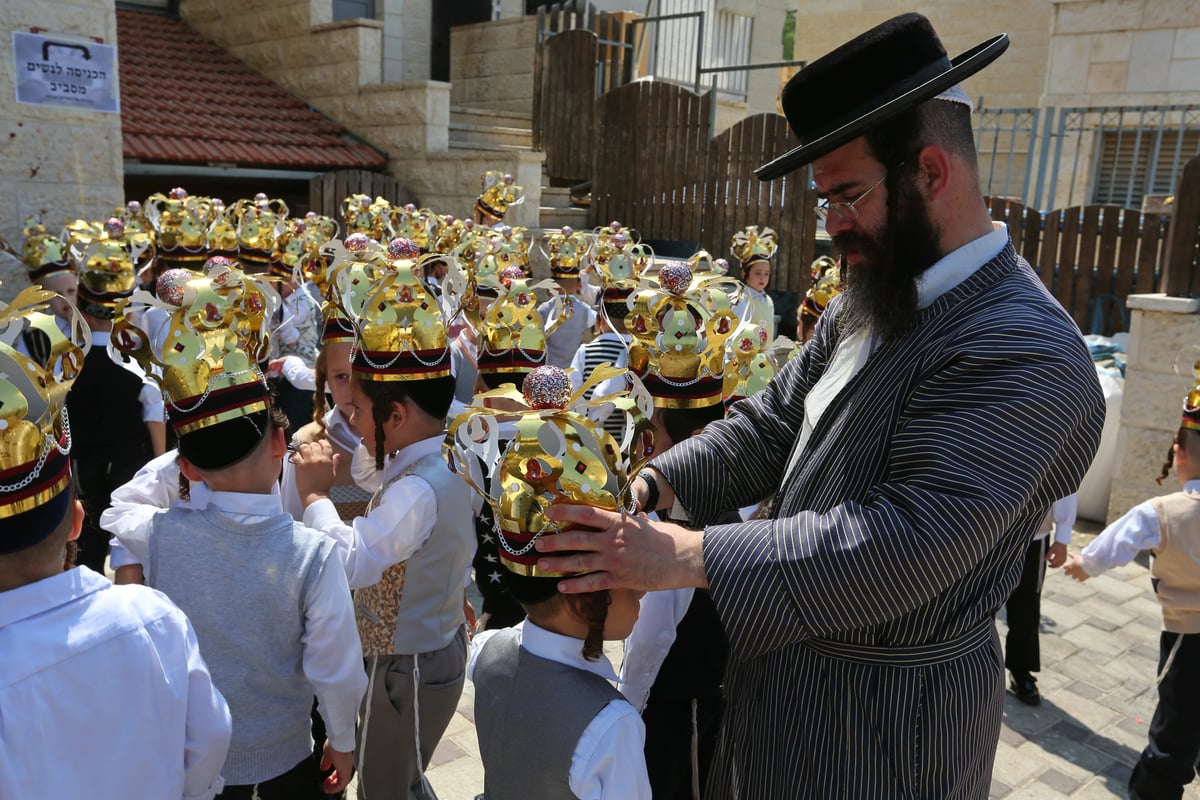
{"type": "Point", "coordinates": [1099, 655]}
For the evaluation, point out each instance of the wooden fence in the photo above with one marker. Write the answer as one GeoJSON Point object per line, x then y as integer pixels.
{"type": "Point", "coordinates": [658, 171]}
{"type": "Point", "coordinates": [327, 191]}
{"type": "Point", "coordinates": [1181, 273]}
{"type": "Point", "coordinates": [1091, 258]}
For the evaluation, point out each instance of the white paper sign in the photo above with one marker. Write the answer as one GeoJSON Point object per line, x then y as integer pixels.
{"type": "Point", "coordinates": [52, 71]}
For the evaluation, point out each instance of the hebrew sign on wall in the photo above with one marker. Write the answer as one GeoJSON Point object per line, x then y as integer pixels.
{"type": "Point", "coordinates": [54, 71]}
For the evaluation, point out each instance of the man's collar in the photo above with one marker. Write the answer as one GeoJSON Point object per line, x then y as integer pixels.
{"type": "Point", "coordinates": [958, 265]}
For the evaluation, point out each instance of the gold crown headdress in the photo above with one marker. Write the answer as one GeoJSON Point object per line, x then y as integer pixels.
{"type": "Point", "coordinates": [558, 455]}
{"type": "Point", "coordinates": [701, 261]}
{"type": "Point", "coordinates": [291, 246]}
{"type": "Point", "coordinates": [353, 264]}
{"type": "Point", "coordinates": [259, 223]}
{"type": "Point", "coordinates": [510, 246]}
{"type": "Point", "coordinates": [679, 324]}
{"type": "Point", "coordinates": [108, 269]}
{"type": "Point", "coordinates": [180, 223]}
{"type": "Point", "coordinates": [749, 365]}
{"type": "Point", "coordinates": [221, 236]}
{"type": "Point", "coordinates": [512, 334]}
{"type": "Point", "coordinates": [451, 232]}
{"type": "Point", "coordinates": [361, 214]}
{"type": "Point", "coordinates": [499, 193]}
{"type": "Point", "coordinates": [418, 225]}
{"type": "Point", "coordinates": [400, 332]}
{"type": "Point", "coordinates": [826, 285]}
{"type": "Point", "coordinates": [42, 253]}
{"type": "Point", "coordinates": [752, 244]}
{"type": "Point", "coordinates": [35, 434]}
{"type": "Point", "coordinates": [566, 251]}
{"type": "Point", "coordinates": [1191, 403]}
{"type": "Point", "coordinates": [207, 361]}
{"type": "Point", "coordinates": [620, 271]}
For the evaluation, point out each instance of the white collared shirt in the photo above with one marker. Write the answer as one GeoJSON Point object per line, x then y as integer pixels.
{"type": "Point", "coordinates": [399, 525]}
{"type": "Point", "coordinates": [609, 760]}
{"type": "Point", "coordinates": [151, 723]}
{"type": "Point", "coordinates": [852, 351]}
{"type": "Point", "coordinates": [1120, 542]}
{"type": "Point", "coordinates": [339, 432]}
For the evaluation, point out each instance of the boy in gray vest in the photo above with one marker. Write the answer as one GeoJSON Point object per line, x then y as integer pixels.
{"type": "Point", "coordinates": [268, 597]}
{"type": "Point", "coordinates": [549, 673]}
{"type": "Point", "coordinates": [409, 556]}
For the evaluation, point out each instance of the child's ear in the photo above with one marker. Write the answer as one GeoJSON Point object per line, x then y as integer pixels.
{"type": "Point", "coordinates": [188, 469]}
{"type": "Point", "coordinates": [76, 520]}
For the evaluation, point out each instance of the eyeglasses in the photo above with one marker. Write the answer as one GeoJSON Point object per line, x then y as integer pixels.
{"type": "Point", "coordinates": [844, 209]}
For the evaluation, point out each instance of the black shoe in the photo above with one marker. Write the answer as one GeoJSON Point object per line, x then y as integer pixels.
{"type": "Point", "coordinates": [1024, 686]}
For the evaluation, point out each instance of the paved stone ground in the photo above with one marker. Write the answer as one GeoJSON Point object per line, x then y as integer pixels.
{"type": "Point", "coordinates": [1099, 655]}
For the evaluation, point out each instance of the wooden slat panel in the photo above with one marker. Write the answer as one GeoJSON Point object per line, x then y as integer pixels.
{"type": "Point", "coordinates": [1068, 246]}
{"type": "Point", "coordinates": [1085, 261]}
{"type": "Point", "coordinates": [1148, 253]}
{"type": "Point", "coordinates": [1106, 267]}
{"type": "Point", "coordinates": [1047, 261]}
{"type": "Point", "coordinates": [1181, 264]}
{"type": "Point", "coordinates": [1031, 240]}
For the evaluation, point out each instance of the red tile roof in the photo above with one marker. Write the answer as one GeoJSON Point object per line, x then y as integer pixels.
{"type": "Point", "coordinates": [184, 100]}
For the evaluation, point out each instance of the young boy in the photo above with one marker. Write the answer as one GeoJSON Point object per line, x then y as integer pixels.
{"type": "Point", "coordinates": [409, 555]}
{"type": "Point", "coordinates": [268, 597]}
{"type": "Point", "coordinates": [1169, 526]}
{"type": "Point", "coordinates": [151, 723]}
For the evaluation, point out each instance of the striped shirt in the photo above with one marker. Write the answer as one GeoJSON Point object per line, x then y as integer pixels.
{"type": "Point", "coordinates": [863, 656]}
{"type": "Point", "coordinates": [607, 348]}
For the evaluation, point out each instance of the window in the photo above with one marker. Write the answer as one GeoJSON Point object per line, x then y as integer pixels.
{"type": "Point", "coordinates": [1134, 162]}
{"type": "Point", "coordinates": [353, 9]}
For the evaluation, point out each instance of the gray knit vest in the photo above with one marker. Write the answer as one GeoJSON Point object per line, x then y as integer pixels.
{"type": "Point", "coordinates": [431, 607]}
{"type": "Point", "coordinates": [245, 590]}
{"type": "Point", "coordinates": [529, 715]}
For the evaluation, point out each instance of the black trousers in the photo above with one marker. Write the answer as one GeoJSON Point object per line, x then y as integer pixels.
{"type": "Point", "coordinates": [669, 743]}
{"type": "Point", "coordinates": [95, 482]}
{"type": "Point", "coordinates": [301, 782]}
{"type": "Point", "coordinates": [1024, 610]}
{"type": "Point", "coordinates": [1170, 760]}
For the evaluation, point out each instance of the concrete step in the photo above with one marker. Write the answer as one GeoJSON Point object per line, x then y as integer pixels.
{"type": "Point", "coordinates": [553, 197]}
{"type": "Point", "coordinates": [490, 136]}
{"type": "Point", "coordinates": [488, 117]}
{"type": "Point", "coordinates": [555, 218]}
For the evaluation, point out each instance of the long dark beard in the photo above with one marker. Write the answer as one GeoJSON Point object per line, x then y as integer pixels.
{"type": "Point", "coordinates": [882, 291]}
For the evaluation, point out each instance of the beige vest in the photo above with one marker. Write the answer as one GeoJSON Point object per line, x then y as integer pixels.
{"type": "Point", "coordinates": [1176, 564]}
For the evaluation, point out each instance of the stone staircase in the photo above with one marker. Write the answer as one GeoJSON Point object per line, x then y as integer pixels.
{"type": "Point", "coordinates": [484, 129]}
{"type": "Point", "coordinates": [556, 209]}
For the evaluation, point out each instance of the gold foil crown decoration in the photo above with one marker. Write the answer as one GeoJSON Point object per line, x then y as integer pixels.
{"type": "Point", "coordinates": [826, 285]}
{"type": "Point", "coordinates": [259, 224]}
{"type": "Point", "coordinates": [679, 324]}
{"type": "Point", "coordinates": [753, 244]}
{"type": "Point", "coordinates": [566, 251]}
{"type": "Point", "coordinates": [353, 265]}
{"type": "Point", "coordinates": [557, 455]}
{"type": "Point", "coordinates": [1191, 403]}
{"type": "Point", "coordinates": [749, 365]}
{"type": "Point", "coordinates": [510, 246]}
{"type": "Point", "coordinates": [512, 334]}
{"type": "Point", "coordinates": [206, 357]}
{"type": "Point", "coordinates": [500, 191]}
{"type": "Point", "coordinates": [361, 214]}
{"type": "Point", "coordinates": [180, 223]}
{"type": "Point", "coordinates": [107, 269]}
{"type": "Point", "coordinates": [35, 434]}
{"type": "Point", "coordinates": [416, 224]}
{"type": "Point", "coordinates": [42, 253]}
{"type": "Point", "coordinates": [400, 329]}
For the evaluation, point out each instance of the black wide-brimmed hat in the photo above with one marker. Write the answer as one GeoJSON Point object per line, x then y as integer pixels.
{"type": "Point", "coordinates": [870, 79]}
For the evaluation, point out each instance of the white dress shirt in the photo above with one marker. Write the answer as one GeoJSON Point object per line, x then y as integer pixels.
{"type": "Point", "coordinates": [399, 525]}
{"type": "Point", "coordinates": [852, 351]}
{"type": "Point", "coordinates": [150, 724]}
{"type": "Point", "coordinates": [609, 760]}
{"type": "Point", "coordinates": [1120, 542]}
{"type": "Point", "coordinates": [153, 488]}
{"type": "Point", "coordinates": [339, 433]}
{"type": "Point", "coordinates": [1063, 514]}
{"type": "Point", "coordinates": [298, 374]}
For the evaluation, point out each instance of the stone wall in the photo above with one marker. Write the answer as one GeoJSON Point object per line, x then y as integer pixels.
{"type": "Point", "coordinates": [1016, 79]}
{"type": "Point", "coordinates": [491, 65]}
{"type": "Point", "coordinates": [54, 161]}
{"type": "Point", "coordinates": [1164, 341]}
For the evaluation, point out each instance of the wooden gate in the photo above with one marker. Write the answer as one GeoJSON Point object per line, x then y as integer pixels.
{"type": "Point", "coordinates": [1181, 274]}
{"type": "Point", "coordinates": [658, 171]}
{"type": "Point", "coordinates": [1091, 258]}
{"type": "Point", "coordinates": [565, 104]}
{"type": "Point", "coordinates": [326, 192]}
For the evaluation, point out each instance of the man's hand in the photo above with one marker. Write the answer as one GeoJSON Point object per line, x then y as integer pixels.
{"type": "Point", "coordinates": [1074, 567]}
{"type": "Point", "coordinates": [315, 467]}
{"type": "Point", "coordinates": [343, 769]}
{"type": "Point", "coordinates": [1056, 555]}
{"type": "Point", "coordinates": [622, 551]}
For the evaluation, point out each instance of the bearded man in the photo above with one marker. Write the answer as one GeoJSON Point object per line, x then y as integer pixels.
{"type": "Point", "coordinates": [945, 401]}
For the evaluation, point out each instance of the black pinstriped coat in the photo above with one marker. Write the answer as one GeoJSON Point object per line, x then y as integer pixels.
{"type": "Point", "coordinates": [903, 527]}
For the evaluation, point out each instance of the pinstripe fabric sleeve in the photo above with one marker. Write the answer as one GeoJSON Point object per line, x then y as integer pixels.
{"type": "Point", "coordinates": [1006, 418]}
